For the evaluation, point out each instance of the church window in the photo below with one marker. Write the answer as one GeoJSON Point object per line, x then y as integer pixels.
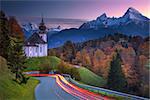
{"type": "Point", "coordinates": [40, 49]}
{"type": "Point", "coordinates": [36, 49]}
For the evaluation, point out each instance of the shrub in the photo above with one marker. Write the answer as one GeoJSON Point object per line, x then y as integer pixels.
{"type": "Point", "coordinates": [45, 68]}
{"type": "Point", "coordinates": [65, 68]}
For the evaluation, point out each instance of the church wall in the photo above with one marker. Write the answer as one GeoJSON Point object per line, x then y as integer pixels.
{"type": "Point", "coordinates": [26, 51]}
{"type": "Point", "coordinates": [46, 49]}
{"type": "Point", "coordinates": [42, 50]}
{"type": "Point", "coordinates": [31, 51]}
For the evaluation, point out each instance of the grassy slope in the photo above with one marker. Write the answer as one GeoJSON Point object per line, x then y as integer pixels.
{"type": "Point", "coordinates": [35, 63]}
{"type": "Point", "coordinates": [86, 75]}
{"type": "Point", "coordinates": [90, 78]}
{"type": "Point", "coordinates": [10, 90]}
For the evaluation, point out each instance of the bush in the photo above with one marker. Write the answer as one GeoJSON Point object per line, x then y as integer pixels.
{"type": "Point", "coordinates": [45, 68]}
{"type": "Point", "coordinates": [75, 74]}
{"type": "Point", "coordinates": [65, 68]}
{"type": "Point", "coordinates": [36, 63]}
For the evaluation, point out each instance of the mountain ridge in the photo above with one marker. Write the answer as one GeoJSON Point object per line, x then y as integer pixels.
{"type": "Point", "coordinates": [131, 15]}
{"type": "Point", "coordinates": [131, 23]}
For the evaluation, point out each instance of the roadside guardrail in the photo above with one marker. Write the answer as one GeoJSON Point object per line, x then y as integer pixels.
{"type": "Point", "coordinates": [105, 91]}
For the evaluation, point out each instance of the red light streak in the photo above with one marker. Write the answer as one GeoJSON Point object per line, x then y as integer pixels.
{"type": "Point", "coordinates": [73, 89]}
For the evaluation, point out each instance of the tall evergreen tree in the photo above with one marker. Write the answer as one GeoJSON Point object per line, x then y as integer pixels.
{"type": "Point", "coordinates": [116, 78]}
{"type": "Point", "coordinates": [16, 59]}
{"type": "Point", "coordinates": [4, 35]}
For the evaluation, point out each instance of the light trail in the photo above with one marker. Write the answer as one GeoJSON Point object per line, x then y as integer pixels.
{"type": "Point", "coordinates": [73, 89]}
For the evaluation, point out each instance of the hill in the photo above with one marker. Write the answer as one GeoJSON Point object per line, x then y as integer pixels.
{"type": "Point", "coordinates": [36, 63]}
{"type": "Point", "coordinates": [87, 76]}
{"type": "Point", "coordinates": [10, 90]}
{"type": "Point", "coordinates": [90, 78]}
{"type": "Point", "coordinates": [96, 55]}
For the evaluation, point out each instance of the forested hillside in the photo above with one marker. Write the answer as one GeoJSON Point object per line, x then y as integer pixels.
{"type": "Point", "coordinates": [97, 55]}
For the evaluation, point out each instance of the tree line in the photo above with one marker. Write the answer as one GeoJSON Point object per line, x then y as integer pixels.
{"type": "Point", "coordinates": [11, 46]}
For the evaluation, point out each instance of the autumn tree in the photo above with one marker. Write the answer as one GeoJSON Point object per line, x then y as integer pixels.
{"type": "Point", "coordinates": [66, 68]}
{"type": "Point", "coordinates": [52, 52]}
{"type": "Point", "coordinates": [69, 51]}
{"type": "Point", "coordinates": [116, 78]}
{"type": "Point", "coordinates": [15, 29]}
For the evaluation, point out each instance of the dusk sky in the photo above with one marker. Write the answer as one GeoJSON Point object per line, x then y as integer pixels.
{"type": "Point", "coordinates": [73, 9]}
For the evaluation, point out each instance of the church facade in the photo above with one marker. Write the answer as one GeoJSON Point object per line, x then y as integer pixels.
{"type": "Point", "coordinates": [36, 45]}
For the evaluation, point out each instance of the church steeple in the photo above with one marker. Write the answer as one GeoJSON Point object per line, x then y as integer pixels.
{"type": "Point", "coordinates": [42, 20]}
{"type": "Point", "coordinates": [42, 30]}
{"type": "Point", "coordinates": [42, 26]}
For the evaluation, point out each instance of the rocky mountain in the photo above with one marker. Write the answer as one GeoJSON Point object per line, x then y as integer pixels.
{"type": "Point", "coordinates": [30, 28]}
{"type": "Point", "coordinates": [76, 35]}
{"type": "Point", "coordinates": [131, 23]}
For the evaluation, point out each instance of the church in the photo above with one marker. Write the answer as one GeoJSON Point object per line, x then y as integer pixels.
{"type": "Point", "coordinates": [36, 45]}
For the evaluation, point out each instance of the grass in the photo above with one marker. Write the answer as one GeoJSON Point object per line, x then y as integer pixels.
{"type": "Point", "coordinates": [90, 78]}
{"type": "Point", "coordinates": [87, 77]}
{"type": "Point", "coordinates": [36, 62]}
{"type": "Point", "coordinates": [10, 90]}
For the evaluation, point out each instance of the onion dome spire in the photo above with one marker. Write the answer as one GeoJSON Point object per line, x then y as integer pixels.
{"type": "Point", "coordinates": [42, 26]}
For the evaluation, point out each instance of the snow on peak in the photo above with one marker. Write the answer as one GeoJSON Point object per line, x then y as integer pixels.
{"type": "Point", "coordinates": [132, 10]}
{"type": "Point", "coordinates": [131, 15]}
{"type": "Point", "coordinates": [102, 17]}
{"type": "Point", "coordinates": [134, 14]}
{"type": "Point", "coordinates": [30, 26]}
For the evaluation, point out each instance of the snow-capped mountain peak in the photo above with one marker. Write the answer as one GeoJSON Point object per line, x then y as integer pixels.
{"type": "Point", "coordinates": [134, 14]}
{"type": "Point", "coordinates": [131, 16]}
{"type": "Point", "coordinates": [30, 26]}
{"type": "Point", "coordinates": [102, 17]}
{"type": "Point", "coordinates": [132, 10]}
{"type": "Point", "coordinates": [132, 22]}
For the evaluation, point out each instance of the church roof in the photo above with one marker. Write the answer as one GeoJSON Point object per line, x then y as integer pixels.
{"type": "Point", "coordinates": [33, 40]}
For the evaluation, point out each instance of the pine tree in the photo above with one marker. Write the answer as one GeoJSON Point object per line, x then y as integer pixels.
{"type": "Point", "coordinates": [4, 35]}
{"type": "Point", "coordinates": [16, 60]}
{"type": "Point", "coordinates": [116, 78]}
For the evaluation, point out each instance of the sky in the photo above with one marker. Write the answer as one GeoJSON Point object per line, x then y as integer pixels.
{"type": "Point", "coordinates": [80, 10]}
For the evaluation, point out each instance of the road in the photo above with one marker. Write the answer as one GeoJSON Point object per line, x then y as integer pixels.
{"type": "Point", "coordinates": [56, 87]}
{"type": "Point", "coordinates": [48, 89]}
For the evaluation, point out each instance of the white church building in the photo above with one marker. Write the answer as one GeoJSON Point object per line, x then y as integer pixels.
{"type": "Point", "coordinates": [36, 45]}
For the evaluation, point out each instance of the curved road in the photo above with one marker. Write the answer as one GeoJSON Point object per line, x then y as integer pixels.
{"type": "Point", "coordinates": [56, 87]}
{"type": "Point", "coordinates": [48, 89]}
